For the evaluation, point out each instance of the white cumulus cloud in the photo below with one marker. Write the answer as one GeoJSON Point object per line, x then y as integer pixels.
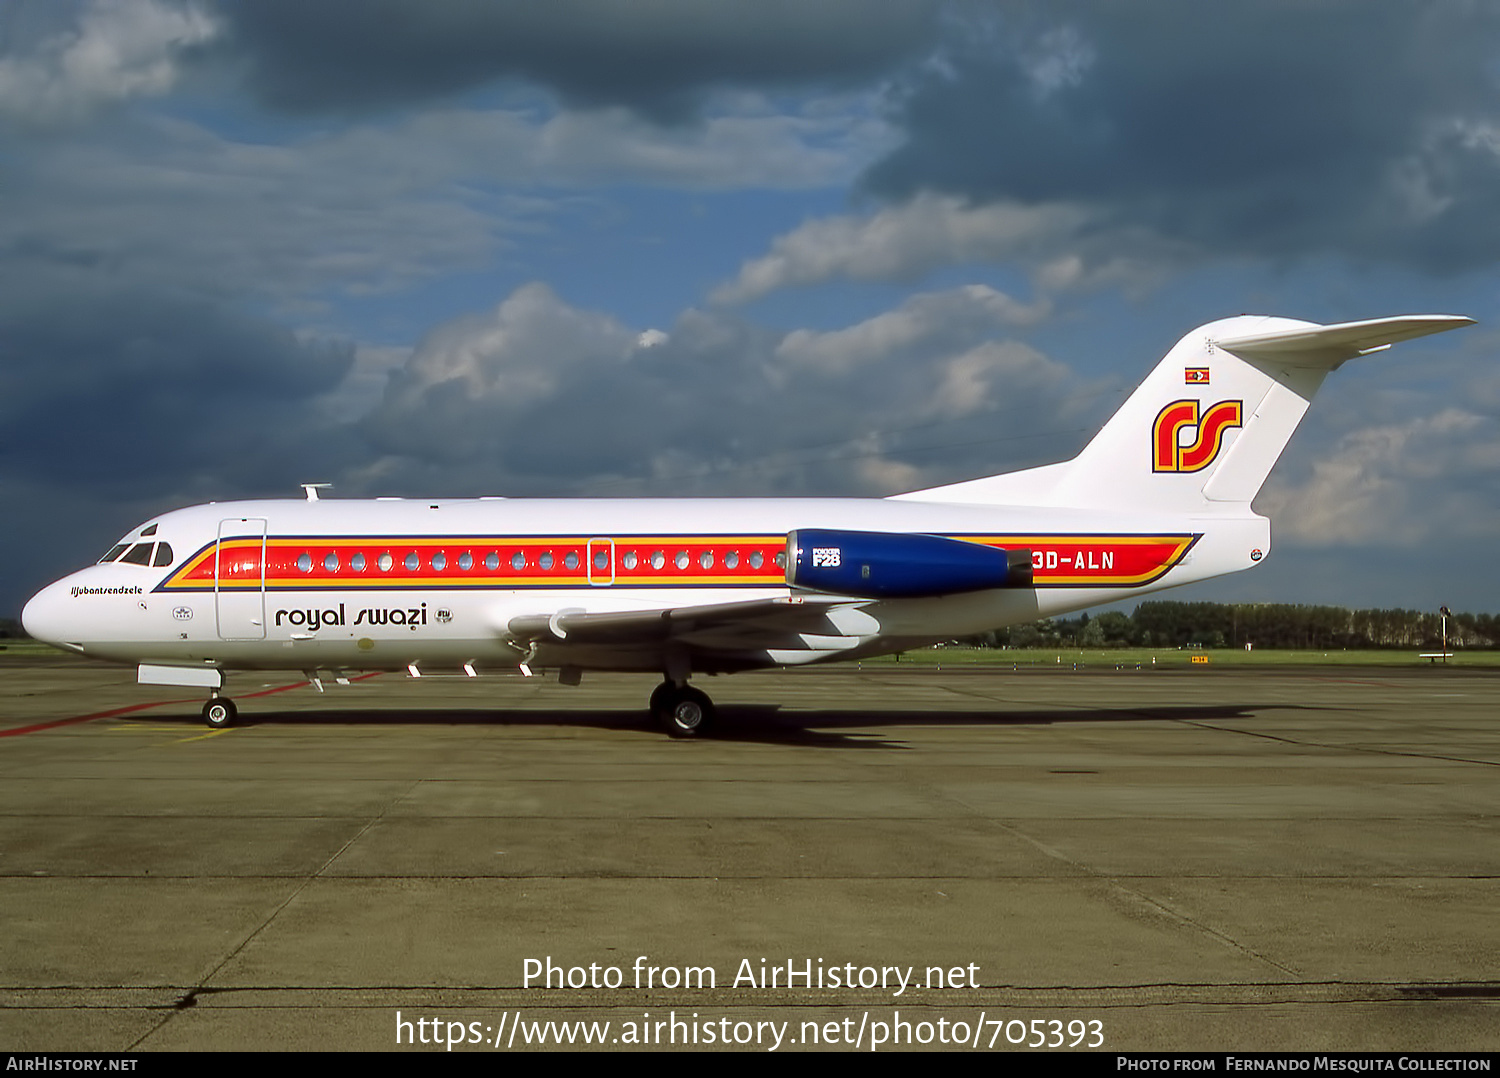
{"type": "Point", "coordinates": [118, 50]}
{"type": "Point", "coordinates": [1409, 484]}
{"type": "Point", "coordinates": [1061, 244]}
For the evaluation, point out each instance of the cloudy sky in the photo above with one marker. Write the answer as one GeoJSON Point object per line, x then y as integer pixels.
{"type": "Point", "coordinates": [440, 247]}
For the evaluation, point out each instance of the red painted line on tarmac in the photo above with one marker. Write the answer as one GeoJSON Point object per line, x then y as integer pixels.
{"type": "Point", "coordinates": [300, 684]}
{"type": "Point", "coordinates": [55, 723]}
{"type": "Point", "coordinates": [18, 731]}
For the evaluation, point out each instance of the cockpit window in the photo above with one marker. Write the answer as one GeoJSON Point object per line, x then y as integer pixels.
{"type": "Point", "coordinates": [140, 554]}
{"type": "Point", "coordinates": [163, 555]}
{"type": "Point", "coordinates": [114, 552]}
{"type": "Point", "coordinates": [148, 531]}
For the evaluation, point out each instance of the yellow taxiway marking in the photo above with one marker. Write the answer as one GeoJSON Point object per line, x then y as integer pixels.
{"type": "Point", "coordinates": [200, 737]}
{"type": "Point", "coordinates": [166, 730]}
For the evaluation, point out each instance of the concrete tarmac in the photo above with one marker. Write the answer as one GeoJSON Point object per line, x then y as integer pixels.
{"type": "Point", "coordinates": [1129, 860]}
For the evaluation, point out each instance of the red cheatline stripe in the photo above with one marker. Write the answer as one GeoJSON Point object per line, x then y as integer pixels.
{"type": "Point", "coordinates": [18, 731]}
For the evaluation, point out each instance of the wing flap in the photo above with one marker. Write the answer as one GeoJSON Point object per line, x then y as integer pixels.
{"type": "Point", "coordinates": [814, 614]}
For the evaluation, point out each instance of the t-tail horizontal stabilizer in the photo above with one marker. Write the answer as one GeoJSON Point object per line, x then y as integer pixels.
{"type": "Point", "coordinates": [1204, 429]}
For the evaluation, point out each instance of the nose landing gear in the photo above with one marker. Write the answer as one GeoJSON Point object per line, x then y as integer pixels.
{"type": "Point", "coordinates": [219, 712]}
{"type": "Point", "coordinates": [682, 710]}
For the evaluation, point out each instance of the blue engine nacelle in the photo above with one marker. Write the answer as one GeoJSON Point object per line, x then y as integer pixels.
{"type": "Point", "coordinates": [891, 565]}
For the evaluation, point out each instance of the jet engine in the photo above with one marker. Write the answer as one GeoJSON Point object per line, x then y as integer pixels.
{"type": "Point", "coordinates": [889, 565]}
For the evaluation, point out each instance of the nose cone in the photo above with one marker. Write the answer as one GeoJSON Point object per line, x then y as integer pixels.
{"type": "Point", "coordinates": [45, 617]}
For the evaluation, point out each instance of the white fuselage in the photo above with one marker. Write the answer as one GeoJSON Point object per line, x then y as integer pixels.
{"type": "Point", "coordinates": [386, 584]}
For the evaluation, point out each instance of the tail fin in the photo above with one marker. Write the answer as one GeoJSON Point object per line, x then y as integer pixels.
{"type": "Point", "coordinates": [1208, 424]}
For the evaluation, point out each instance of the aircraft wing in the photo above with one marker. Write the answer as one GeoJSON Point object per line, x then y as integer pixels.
{"type": "Point", "coordinates": [766, 619]}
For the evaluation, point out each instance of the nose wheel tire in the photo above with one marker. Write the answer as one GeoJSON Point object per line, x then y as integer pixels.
{"type": "Point", "coordinates": [682, 711]}
{"type": "Point", "coordinates": [219, 713]}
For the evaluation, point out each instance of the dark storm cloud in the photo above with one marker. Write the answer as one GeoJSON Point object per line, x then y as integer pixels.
{"type": "Point", "coordinates": [130, 388]}
{"type": "Point", "coordinates": [654, 56]}
{"type": "Point", "coordinates": [1367, 128]}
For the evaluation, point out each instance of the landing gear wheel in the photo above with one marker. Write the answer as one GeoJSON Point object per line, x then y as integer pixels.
{"type": "Point", "coordinates": [219, 713]}
{"type": "Point", "coordinates": [685, 712]}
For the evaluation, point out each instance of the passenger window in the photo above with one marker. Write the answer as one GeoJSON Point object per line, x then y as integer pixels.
{"type": "Point", "coordinates": [385, 561]}
{"type": "Point", "coordinates": [518, 561]}
{"type": "Point", "coordinates": [331, 562]}
{"type": "Point", "coordinates": [304, 562]}
{"type": "Point", "coordinates": [706, 559]}
{"type": "Point", "coordinates": [630, 560]}
{"type": "Point", "coordinates": [439, 562]}
{"type": "Point", "coordinates": [601, 560]}
{"type": "Point", "coordinates": [682, 559]}
{"type": "Point", "coordinates": [571, 561]}
{"type": "Point", "coordinates": [466, 561]}
{"type": "Point", "coordinates": [163, 555]}
{"type": "Point", "coordinates": [545, 561]}
{"type": "Point", "coordinates": [412, 561]}
{"type": "Point", "coordinates": [732, 560]}
{"type": "Point", "coordinates": [658, 559]}
{"type": "Point", "coordinates": [357, 563]}
{"type": "Point", "coordinates": [756, 561]}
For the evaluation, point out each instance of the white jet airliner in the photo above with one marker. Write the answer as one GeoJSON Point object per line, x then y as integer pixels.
{"type": "Point", "coordinates": [1161, 497]}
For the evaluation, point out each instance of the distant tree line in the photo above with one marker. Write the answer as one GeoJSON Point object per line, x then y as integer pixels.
{"type": "Point", "coordinates": [1264, 625]}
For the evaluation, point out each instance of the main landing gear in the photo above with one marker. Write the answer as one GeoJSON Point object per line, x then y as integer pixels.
{"type": "Point", "coordinates": [681, 709]}
{"type": "Point", "coordinates": [219, 712]}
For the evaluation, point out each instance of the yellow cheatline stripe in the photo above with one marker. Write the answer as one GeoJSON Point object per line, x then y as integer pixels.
{"type": "Point", "coordinates": [375, 578]}
{"type": "Point", "coordinates": [650, 540]}
{"type": "Point", "coordinates": [380, 543]}
{"type": "Point", "coordinates": [1059, 540]}
{"type": "Point", "coordinates": [455, 583]}
{"type": "Point", "coordinates": [1085, 581]}
{"type": "Point", "coordinates": [495, 540]}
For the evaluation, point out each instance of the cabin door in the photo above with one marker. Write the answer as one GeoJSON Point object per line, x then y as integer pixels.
{"type": "Point", "coordinates": [240, 579]}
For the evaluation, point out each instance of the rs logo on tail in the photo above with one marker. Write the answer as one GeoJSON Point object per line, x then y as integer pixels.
{"type": "Point", "coordinates": [1168, 454]}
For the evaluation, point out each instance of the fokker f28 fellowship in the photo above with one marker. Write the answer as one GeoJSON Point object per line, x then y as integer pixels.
{"type": "Point", "coordinates": [1160, 497]}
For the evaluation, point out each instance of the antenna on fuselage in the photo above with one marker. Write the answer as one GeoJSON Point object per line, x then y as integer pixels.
{"type": "Point", "coordinates": [313, 488]}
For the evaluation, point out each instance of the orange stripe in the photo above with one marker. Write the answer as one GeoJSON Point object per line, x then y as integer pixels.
{"type": "Point", "coordinates": [1141, 558]}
